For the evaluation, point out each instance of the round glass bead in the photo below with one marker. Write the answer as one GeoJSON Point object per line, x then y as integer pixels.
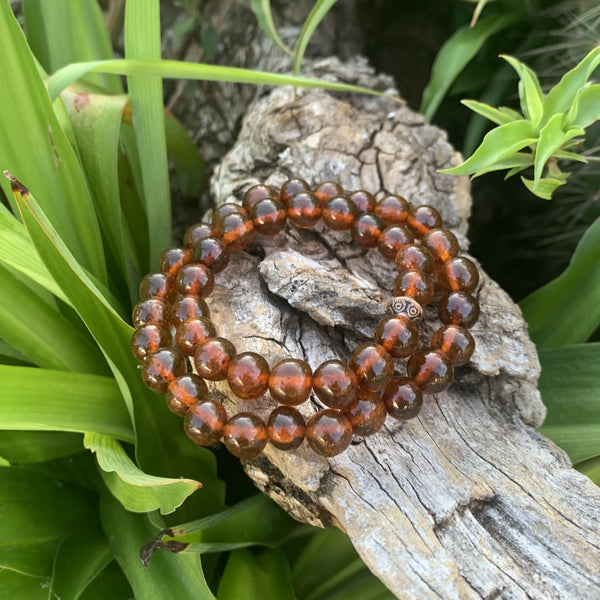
{"type": "Point", "coordinates": [269, 216]}
{"type": "Point", "coordinates": [290, 381]}
{"type": "Point", "coordinates": [154, 285]}
{"type": "Point", "coordinates": [367, 414]}
{"type": "Point", "coordinates": [286, 428]}
{"type": "Point", "coordinates": [392, 209]}
{"type": "Point", "coordinates": [373, 365]}
{"type": "Point", "coordinates": [184, 391]}
{"type": "Point", "coordinates": [212, 253]}
{"type": "Point", "coordinates": [257, 193]}
{"type": "Point", "coordinates": [195, 279]}
{"type": "Point", "coordinates": [245, 435]}
{"type": "Point", "coordinates": [304, 210]}
{"type": "Point", "coordinates": [192, 332]}
{"type": "Point", "coordinates": [213, 357]}
{"type": "Point", "coordinates": [204, 422]}
{"type": "Point", "coordinates": [430, 371]}
{"type": "Point", "coordinates": [460, 274]}
{"type": "Point", "coordinates": [394, 238]}
{"type": "Point", "coordinates": [248, 375]}
{"type": "Point", "coordinates": [364, 201]}
{"type": "Point", "coordinates": [229, 208]}
{"type": "Point", "coordinates": [441, 243]}
{"type": "Point", "coordinates": [335, 384]}
{"type": "Point", "coordinates": [161, 368]}
{"type": "Point", "coordinates": [188, 307]}
{"type": "Point", "coordinates": [413, 257]}
{"type": "Point", "coordinates": [328, 432]}
{"type": "Point", "coordinates": [328, 189]}
{"type": "Point", "coordinates": [339, 213]}
{"type": "Point", "coordinates": [402, 399]}
{"type": "Point", "coordinates": [149, 312]}
{"type": "Point", "coordinates": [170, 261]}
{"type": "Point", "coordinates": [366, 230]}
{"type": "Point", "coordinates": [236, 231]}
{"type": "Point", "coordinates": [148, 339]}
{"type": "Point", "coordinates": [195, 233]}
{"type": "Point", "coordinates": [291, 187]}
{"type": "Point", "coordinates": [424, 218]}
{"type": "Point", "coordinates": [455, 343]}
{"type": "Point", "coordinates": [398, 335]}
{"type": "Point", "coordinates": [416, 284]}
{"type": "Point", "coordinates": [458, 308]}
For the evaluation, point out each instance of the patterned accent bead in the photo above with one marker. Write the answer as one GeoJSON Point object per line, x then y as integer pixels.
{"type": "Point", "coordinates": [304, 210]}
{"type": "Point", "coordinates": [188, 307]}
{"type": "Point", "coordinates": [460, 274]}
{"type": "Point", "coordinates": [328, 189]}
{"type": "Point", "coordinates": [204, 422]}
{"type": "Point", "coordinates": [213, 357]}
{"type": "Point", "coordinates": [248, 375]}
{"type": "Point", "coordinates": [245, 435]}
{"type": "Point", "coordinates": [393, 209]}
{"type": "Point", "coordinates": [192, 332]}
{"type": "Point", "coordinates": [148, 339]}
{"type": "Point", "coordinates": [367, 414]}
{"type": "Point", "coordinates": [398, 335]}
{"type": "Point", "coordinates": [366, 230]}
{"type": "Point", "coordinates": [154, 285]}
{"type": "Point", "coordinates": [339, 213]}
{"type": "Point", "coordinates": [413, 257]}
{"type": "Point", "coordinates": [364, 202]}
{"type": "Point", "coordinates": [184, 391]}
{"type": "Point", "coordinates": [430, 371]}
{"type": "Point", "coordinates": [455, 343]}
{"type": "Point", "coordinates": [236, 231]}
{"type": "Point", "coordinates": [402, 399]}
{"type": "Point", "coordinates": [290, 381]}
{"type": "Point", "coordinates": [286, 428]}
{"type": "Point", "coordinates": [291, 187]}
{"type": "Point", "coordinates": [212, 253]}
{"type": "Point", "coordinates": [373, 365]}
{"type": "Point", "coordinates": [405, 306]}
{"type": "Point", "coordinates": [441, 243]}
{"type": "Point", "coordinates": [335, 384]}
{"type": "Point", "coordinates": [229, 208]}
{"type": "Point", "coordinates": [424, 218]}
{"type": "Point", "coordinates": [149, 312]}
{"type": "Point", "coordinates": [257, 193]}
{"type": "Point", "coordinates": [393, 238]}
{"type": "Point", "coordinates": [171, 260]}
{"type": "Point", "coordinates": [195, 279]}
{"type": "Point", "coordinates": [416, 284]}
{"type": "Point", "coordinates": [328, 432]}
{"type": "Point", "coordinates": [269, 216]}
{"type": "Point", "coordinates": [458, 308]}
{"type": "Point", "coordinates": [161, 368]}
{"type": "Point", "coordinates": [196, 232]}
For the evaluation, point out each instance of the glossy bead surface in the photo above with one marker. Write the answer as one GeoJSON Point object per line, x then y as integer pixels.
{"type": "Point", "coordinates": [213, 357]}
{"type": "Point", "coordinates": [204, 422]}
{"type": "Point", "coordinates": [188, 307]}
{"type": "Point", "coordinates": [236, 231]}
{"type": "Point", "coordinates": [245, 435]}
{"type": "Point", "coordinates": [455, 343]}
{"type": "Point", "coordinates": [290, 381]}
{"type": "Point", "coordinates": [394, 238]}
{"type": "Point", "coordinates": [149, 312]}
{"type": "Point", "coordinates": [393, 209]}
{"type": "Point", "coordinates": [257, 193]}
{"type": "Point", "coordinates": [373, 365]}
{"type": "Point", "coordinates": [269, 216]}
{"type": "Point", "coordinates": [458, 308]}
{"type": "Point", "coordinates": [328, 189]}
{"type": "Point", "coordinates": [430, 371]}
{"type": "Point", "coordinates": [367, 414]}
{"type": "Point", "coordinates": [195, 233]}
{"type": "Point", "coordinates": [366, 230]}
{"type": "Point", "coordinates": [460, 274]}
{"type": "Point", "coordinates": [328, 432]}
{"type": "Point", "coordinates": [161, 368]}
{"type": "Point", "coordinates": [212, 253]}
{"type": "Point", "coordinates": [441, 243]}
{"type": "Point", "coordinates": [398, 335]}
{"type": "Point", "coordinates": [148, 339]}
{"type": "Point", "coordinates": [304, 210]}
{"type": "Point", "coordinates": [416, 284]}
{"type": "Point", "coordinates": [424, 218]}
{"type": "Point", "coordinates": [229, 208]}
{"type": "Point", "coordinates": [339, 213]}
{"type": "Point", "coordinates": [195, 279]}
{"type": "Point", "coordinates": [170, 261]}
{"type": "Point", "coordinates": [335, 384]}
{"type": "Point", "coordinates": [291, 187]}
{"type": "Point", "coordinates": [248, 375]}
{"type": "Point", "coordinates": [364, 201]}
{"type": "Point", "coordinates": [402, 399]}
{"type": "Point", "coordinates": [286, 428]}
{"type": "Point", "coordinates": [413, 257]}
{"type": "Point", "coordinates": [184, 391]}
{"type": "Point", "coordinates": [192, 332]}
{"type": "Point", "coordinates": [154, 285]}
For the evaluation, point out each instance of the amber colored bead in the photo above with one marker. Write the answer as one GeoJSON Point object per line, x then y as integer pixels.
{"type": "Point", "coordinates": [248, 375]}
{"type": "Point", "coordinates": [304, 210]}
{"type": "Point", "coordinates": [291, 187]}
{"type": "Point", "coordinates": [430, 371]}
{"type": "Point", "coordinates": [455, 343]}
{"type": "Point", "coordinates": [458, 308]}
{"type": "Point", "coordinates": [213, 357]}
{"type": "Point", "coordinates": [394, 238]}
{"type": "Point", "coordinates": [290, 381]}
{"type": "Point", "coordinates": [188, 307]}
{"type": "Point", "coordinates": [373, 365]}
{"type": "Point", "coordinates": [184, 391]}
{"type": "Point", "coordinates": [257, 193]}
{"type": "Point", "coordinates": [335, 384]}
{"type": "Point", "coordinates": [402, 399]}
{"type": "Point", "coordinates": [162, 367]}
{"type": "Point", "coordinates": [148, 339]}
{"type": "Point", "coordinates": [413, 258]}
{"type": "Point", "coordinates": [195, 233]}
{"type": "Point", "coordinates": [392, 209]}
{"type": "Point", "coordinates": [329, 432]}
{"type": "Point", "coordinates": [286, 428]}
{"type": "Point", "coordinates": [236, 231]}
{"type": "Point", "coordinates": [366, 230]}
{"type": "Point", "coordinates": [269, 216]}
{"type": "Point", "coordinates": [416, 284]}
{"type": "Point", "coordinates": [441, 243]}
{"type": "Point", "coordinates": [195, 279]}
{"type": "Point", "coordinates": [398, 335]}
{"type": "Point", "coordinates": [149, 312]}
{"type": "Point", "coordinates": [212, 253]}
{"type": "Point", "coordinates": [364, 201]}
{"type": "Point", "coordinates": [170, 261]}
{"type": "Point", "coordinates": [339, 213]}
{"type": "Point", "coordinates": [424, 218]}
{"type": "Point", "coordinates": [154, 285]}
{"type": "Point", "coordinates": [328, 189]}
{"type": "Point", "coordinates": [229, 208]}
{"type": "Point", "coordinates": [204, 422]}
{"type": "Point", "coordinates": [245, 435]}
{"type": "Point", "coordinates": [367, 414]}
{"type": "Point", "coordinates": [192, 332]}
{"type": "Point", "coordinates": [460, 274]}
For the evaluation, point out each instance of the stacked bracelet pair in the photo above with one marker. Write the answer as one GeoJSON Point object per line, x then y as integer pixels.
{"type": "Point", "coordinates": [174, 331]}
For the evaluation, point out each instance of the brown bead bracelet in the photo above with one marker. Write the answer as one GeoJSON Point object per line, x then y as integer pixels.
{"type": "Point", "coordinates": [172, 322]}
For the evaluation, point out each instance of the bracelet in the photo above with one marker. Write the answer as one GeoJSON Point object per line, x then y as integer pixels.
{"type": "Point", "coordinates": [173, 330]}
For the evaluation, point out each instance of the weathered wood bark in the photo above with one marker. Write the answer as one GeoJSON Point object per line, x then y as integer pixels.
{"type": "Point", "coordinates": [465, 501]}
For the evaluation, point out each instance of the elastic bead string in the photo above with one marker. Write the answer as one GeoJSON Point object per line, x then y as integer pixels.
{"type": "Point", "coordinates": [172, 321]}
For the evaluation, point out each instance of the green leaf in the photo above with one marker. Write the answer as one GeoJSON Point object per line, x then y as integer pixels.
{"type": "Point", "coordinates": [210, 43]}
{"type": "Point", "coordinates": [454, 56]}
{"type": "Point", "coordinates": [137, 491]}
{"type": "Point", "coordinates": [18, 586]}
{"type": "Point", "coordinates": [570, 387]}
{"type": "Point", "coordinates": [566, 311]}
{"type": "Point", "coordinates": [262, 10]}
{"type": "Point", "coordinates": [9, 355]}
{"type": "Point", "coordinates": [546, 186]}
{"type": "Point", "coordinates": [588, 109]}
{"type": "Point", "coordinates": [499, 144]}
{"type": "Point", "coordinates": [489, 112]}
{"type": "Point", "coordinates": [530, 91]}
{"type": "Point", "coordinates": [517, 162]}
{"type": "Point", "coordinates": [590, 468]}
{"type": "Point", "coordinates": [111, 583]}
{"type": "Point", "coordinates": [565, 155]}
{"type": "Point", "coordinates": [25, 447]}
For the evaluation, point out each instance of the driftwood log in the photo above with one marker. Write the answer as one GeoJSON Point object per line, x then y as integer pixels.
{"type": "Point", "coordinates": [465, 501]}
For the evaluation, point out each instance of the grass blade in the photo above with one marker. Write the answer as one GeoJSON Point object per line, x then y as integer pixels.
{"type": "Point", "coordinates": [262, 10]}
{"type": "Point", "coordinates": [26, 447]}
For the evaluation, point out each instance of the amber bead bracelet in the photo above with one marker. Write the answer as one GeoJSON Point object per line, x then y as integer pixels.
{"type": "Point", "coordinates": [173, 327]}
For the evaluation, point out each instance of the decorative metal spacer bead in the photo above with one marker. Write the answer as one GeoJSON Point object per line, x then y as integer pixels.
{"type": "Point", "coordinates": [408, 307]}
